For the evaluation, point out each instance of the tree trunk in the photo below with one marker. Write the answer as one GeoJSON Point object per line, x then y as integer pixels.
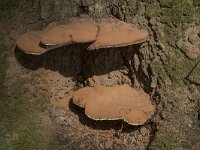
{"type": "Point", "coordinates": [166, 66]}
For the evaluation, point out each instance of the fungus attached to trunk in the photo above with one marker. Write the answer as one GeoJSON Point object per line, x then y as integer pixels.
{"type": "Point", "coordinates": [116, 33]}
{"type": "Point", "coordinates": [113, 103]}
{"type": "Point", "coordinates": [80, 30]}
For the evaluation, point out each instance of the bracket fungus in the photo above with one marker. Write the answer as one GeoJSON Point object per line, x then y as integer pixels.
{"type": "Point", "coordinates": [113, 103]}
{"type": "Point", "coordinates": [116, 33]}
{"type": "Point", "coordinates": [81, 29]}
{"type": "Point", "coordinates": [108, 32]}
{"type": "Point", "coordinates": [100, 102]}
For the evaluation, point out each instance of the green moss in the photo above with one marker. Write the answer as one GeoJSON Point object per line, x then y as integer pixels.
{"type": "Point", "coordinates": [8, 4]}
{"type": "Point", "coordinates": [22, 120]}
{"type": "Point", "coordinates": [153, 10]}
{"type": "Point", "coordinates": [174, 15]}
{"type": "Point", "coordinates": [178, 67]}
{"type": "Point", "coordinates": [158, 70]}
{"type": "Point", "coordinates": [179, 114]}
{"type": "Point", "coordinates": [3, 65]}
{"type": "Point", "coordinates": [196, 2]}
{"type": "Point", "coordinates": [171, 35]}
{"type": "Point", "coordinates": [26, 133]}
{"type": "Point", "coordinates": [165, 142]}
{"type": "Point", "coordinates": [21, 115]}
{"type": "Point", "coordinates": [182, 12]}
{"type": "Point", "coordinates": [197, 14]}
{"type": "Point", "coordinates": [173, 114]}
{"type": "Point", "coordinates": [170, 11]}
{"type": "Point", "coordinates": [166, 3]}
{"type": "Point", "coordinates": [3, 95]}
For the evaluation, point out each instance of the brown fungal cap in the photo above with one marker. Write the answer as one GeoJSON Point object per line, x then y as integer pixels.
{"type": "Point", "coordinates": [80, 30]}
{"type": "Point", "coordinates": [115, 33]}
{"type": "Point", "coordinates": [113, 103]}
{"type": "Point", "coordinates": [29, 43]}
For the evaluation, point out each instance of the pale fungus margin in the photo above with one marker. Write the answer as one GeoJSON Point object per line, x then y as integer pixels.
{"type": "Point", "coordinates": [114, 103]}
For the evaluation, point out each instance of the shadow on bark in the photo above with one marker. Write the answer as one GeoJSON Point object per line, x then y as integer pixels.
{"type": "Point", "coordinates": [77, 62]}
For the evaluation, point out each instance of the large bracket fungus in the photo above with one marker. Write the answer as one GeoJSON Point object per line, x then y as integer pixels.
{"type": "Point", "coordinates": [100, 102]}
{"type": "Point", "coordinates": [113, 103]}
{"type": "Point", "coordinates": [107, 32]}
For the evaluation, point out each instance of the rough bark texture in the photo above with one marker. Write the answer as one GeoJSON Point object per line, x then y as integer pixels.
{"type": "Point", "coordinates": [166, 67]}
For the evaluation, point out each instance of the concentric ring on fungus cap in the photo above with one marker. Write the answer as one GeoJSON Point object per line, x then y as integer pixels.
{"type": "Point", "coordinates": [114, 103]}
{"type": "Point", "coordinates": [116, 33]}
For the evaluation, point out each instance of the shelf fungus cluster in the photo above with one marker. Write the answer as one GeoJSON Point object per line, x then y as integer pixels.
{"type": "Point", "coordinates": [104, 33]}
{"type": "Point", "coordinates": [100, 102]}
